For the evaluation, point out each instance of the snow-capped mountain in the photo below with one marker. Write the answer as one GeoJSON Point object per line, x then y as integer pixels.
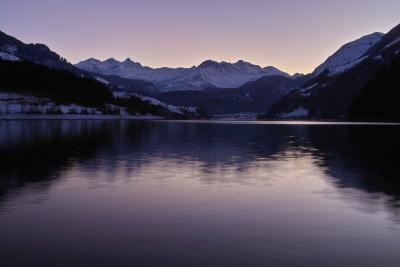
{"type": "Point", "coordinates": [130, 69]}
{"type": "Point", "coordinates": [36, 80]}
{"type": "Point", "coordinates": [364, 84]}
{"type": "Point", "coordinates": [208, 74]}
{"type": "Point", "coordinates": [349, 55]}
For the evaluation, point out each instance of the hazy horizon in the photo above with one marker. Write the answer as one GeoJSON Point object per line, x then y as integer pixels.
{"type": "Point", "coordinates": [289, 35]}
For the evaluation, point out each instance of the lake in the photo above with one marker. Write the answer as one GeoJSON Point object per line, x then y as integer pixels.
{"type": "Point", "coordinates": [164, 193]}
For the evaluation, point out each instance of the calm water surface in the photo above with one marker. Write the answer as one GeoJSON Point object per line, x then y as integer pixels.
{"type": "Point", "coordinates": [130, 193]}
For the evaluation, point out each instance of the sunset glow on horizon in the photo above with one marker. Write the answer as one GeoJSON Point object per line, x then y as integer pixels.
{"type": "Point", "coordinates": [294, 36]}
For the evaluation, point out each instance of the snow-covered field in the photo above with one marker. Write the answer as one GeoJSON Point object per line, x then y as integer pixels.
{"type": "Point", "coordinates": [12, 103]}
{"type": "Point", "coordinates": [20, 106]}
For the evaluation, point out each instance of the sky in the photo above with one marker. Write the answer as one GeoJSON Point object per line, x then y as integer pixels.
{"type": "Point", "coordinates": [292, 35]}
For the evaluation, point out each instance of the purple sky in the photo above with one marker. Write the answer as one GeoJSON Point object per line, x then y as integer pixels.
{"type": "Point", "coordinates": [292, 35]}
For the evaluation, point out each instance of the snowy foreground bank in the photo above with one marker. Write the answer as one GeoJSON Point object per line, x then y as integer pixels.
{"type": "Point", "coordinates": [14, 105]}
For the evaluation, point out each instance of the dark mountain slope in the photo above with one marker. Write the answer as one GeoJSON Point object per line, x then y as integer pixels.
{"type": "Point", "coordinates": [327, 97]}
{"type": "Point", "coordinates": [330, 96]}
{"type": "Point", "coordinates": [33, 69]}
{"type": "Point", "coordinates": [36, 53]}
{"type": "Point", "coordinates": [380, 99]}
{"type": "Point", "coordinates": [64, 87]}
{"type": "Point", "coordinates": [129, 85]}
{"type": "Point", "coordinates": [42, 55]}
{"type": "Point", "coordinates": [255, 96]}
{"type": "Point", "coordinates": [60, 86]}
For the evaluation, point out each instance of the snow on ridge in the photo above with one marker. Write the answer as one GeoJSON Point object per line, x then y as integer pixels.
{"type": "Point", "coordinates": [8, 57]}
{"type": "Point", "coordinates": [174, 109]}
{"type": "Point", "coordinates": [348, 54]}
{"type": "Point", "coordinates": [10, 49]}
{"type": "Point", "coordinates": [306, 91]}
{"type": "Point", "coordinates": [207, 74]}
{"type": "Point", "coordinates": [300, 112]}
{"type": "Point", "coordinates": [392, 43]}
{"type": "Point", "coordinates": [102, 80]}
{"type": "Point", "coordinates": [348, 66]}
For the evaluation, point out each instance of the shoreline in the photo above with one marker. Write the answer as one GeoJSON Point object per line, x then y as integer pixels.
{"type": "Point", "coordinates": [6, 117]}
{"type": "Point", "coordinates": [76, 117]}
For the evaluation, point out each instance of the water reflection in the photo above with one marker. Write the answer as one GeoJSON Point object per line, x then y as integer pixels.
{"type": "Point", "coordinates": [363, 158]}
{"type": "Point", "coordinates": [360, 157]}
{"type": "Point", "coordinates": [255, 178]}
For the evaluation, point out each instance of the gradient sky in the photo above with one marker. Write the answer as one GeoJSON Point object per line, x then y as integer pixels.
{"type": "Point", "coordinates": [292, 35]}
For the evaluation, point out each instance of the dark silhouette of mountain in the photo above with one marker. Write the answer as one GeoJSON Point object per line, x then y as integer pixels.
{"type": "Point", "coordinates": [379, 100]}
{"type": "Point", "coordinates": [60, 86]}
{"type": "Point", "coordinates": [65, 87]}
{"type": "Point", "coordinates": [35, 53]}
{"type": "Point", "coordinates": [327, 96]}
{"type": "Point", "coordinates": [13, 49]}
{"type": "Point", "coordinates": [128, 85]}
{"type": "Point", "coordinates": [255, 96]}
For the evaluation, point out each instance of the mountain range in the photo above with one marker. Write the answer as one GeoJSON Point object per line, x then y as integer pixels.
{"type": "Point", "coordinates": [207, 74]}
{"type": "Point", "coordinates": [217, 87]}
{"type": "Point", "coordinates": [36, 80]}
{"type": "Point", "coordinates": [358, 82]}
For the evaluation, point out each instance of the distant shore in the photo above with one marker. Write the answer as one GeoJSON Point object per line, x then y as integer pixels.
{"type": "Point", "coordinates": [76, 117]}
{"type": "Point", "coordinates": [211, 120]}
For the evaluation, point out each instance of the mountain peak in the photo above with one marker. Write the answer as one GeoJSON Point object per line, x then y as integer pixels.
{"type": "Point", "coordinates": [111, 60]}
{"type": "Point", "coordinates": [208, 73]}
{"type": "Point", "coordinates": [241, 62]}
{"type": "Point", "coordinates": [92, 60]}
{"type": "Point", "coordinates": [130, 62]}
{"type": "Point", "coordinates": [244, 63]}
{"type": "Point", "coordinates": [208, 63]}
{"type": "Point", "coordinates": [348, 54]}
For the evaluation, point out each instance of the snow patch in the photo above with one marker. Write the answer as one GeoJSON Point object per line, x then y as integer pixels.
{"type": "Point", "coordinates": [347, 67]}
{"type": "Point", "coordinates": [171, 108]}
{"type": "Point", "coordinates": [344, 58]}
{"type": "Point", "coordinates": [307, 90]}
{"type": "Point", "coordinates": [8, 57]}
{"type": "Point", "coordinates": [238, 116]}
{"type": "Point", "coordinates": [102, 80]}
{"type": "Point", "coordinates": [297, 113]}
{"type": "Point", "coordinates": [174, 109]}
{"type": "Point", "coordinates": [13, 103]}
{"type": "Point", "coordinates": [392, 43]}
{"type": "Point", "coordinates": [10, 49]}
